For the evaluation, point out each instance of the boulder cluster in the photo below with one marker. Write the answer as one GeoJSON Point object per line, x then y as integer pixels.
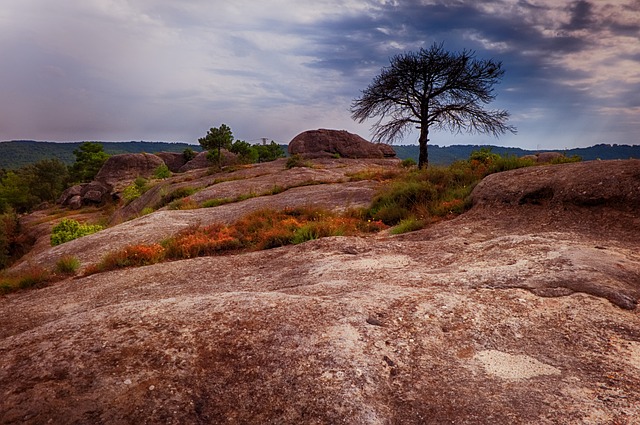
{"type": "Point", "coordinates": [119, 171]}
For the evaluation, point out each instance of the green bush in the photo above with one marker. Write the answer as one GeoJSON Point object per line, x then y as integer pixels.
{"type": "Point", "coordinates": [296, 161]}
{"type": "Point", "coordinates": [181, 192]}
{"type": "Point", "coordinates": [68, 230]}
{"type": "Point", "coordinates": [188, 154]}
{"type": "Point", "coordinates": [67, 265]}
{"type": "Point", "coordinates": [162, 172]}
{"type": "Point", "coordinates": [400, 198]}
{"type": "Point", "coordinates": [410, 224]}
{"type": "Point", "coordinates": [9, 232]}
{"type": "Point", "coordinates": [566, 159]}
{"type": "Point", "coordinates": [408, 163]}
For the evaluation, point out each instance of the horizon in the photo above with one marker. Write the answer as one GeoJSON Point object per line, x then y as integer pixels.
{"type": "Point", "coordinates": [286, 144]}
{"type": "Point", "coordinates": [162, 70]}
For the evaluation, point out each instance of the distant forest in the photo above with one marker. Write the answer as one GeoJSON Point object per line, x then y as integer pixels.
{"type": "Point", "coordinates": [16, 154]}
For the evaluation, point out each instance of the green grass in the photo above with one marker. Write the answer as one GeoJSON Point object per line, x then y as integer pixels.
{"type": "Point", "coordinates": [67, 265]}
{"type": "Point", "coordinates": [428, 195]}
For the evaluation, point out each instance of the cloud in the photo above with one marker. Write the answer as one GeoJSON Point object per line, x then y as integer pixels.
{"type": "Point", "coordinates": [167, 70]}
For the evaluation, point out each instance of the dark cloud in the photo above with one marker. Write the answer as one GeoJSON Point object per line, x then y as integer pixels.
{"type": "Point", "coordinates": [581, 15]}
{"type": "Point", "coordinates": [160, 69]}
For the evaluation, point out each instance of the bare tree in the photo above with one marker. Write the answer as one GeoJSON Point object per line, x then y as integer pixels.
{"type": "Point", "coordinates": [436, 89]}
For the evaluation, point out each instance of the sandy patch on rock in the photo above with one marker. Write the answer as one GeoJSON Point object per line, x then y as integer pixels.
{"type": "Point", "coordinates": [513, 367]}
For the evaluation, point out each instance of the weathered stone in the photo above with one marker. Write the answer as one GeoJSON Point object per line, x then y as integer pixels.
{"type": "Point", "coordinates": [75, 202]}
{"type": "Point", "coordinates": [120, 170]}
{"type": "Point", "coordinates": [201, 161]}
{"type": "Point", "coordinates": [95, 193]}
{"type": "Point", "coordinates": [69, 193]}
{"type": "Point", "coordinates": [174, 160]}
{"type": "Point", "coordinates": [514, 312]}
{"type": "Point", "coordinates": [325, 143]}
{"type": "Point", "coordinates": [614, 184]}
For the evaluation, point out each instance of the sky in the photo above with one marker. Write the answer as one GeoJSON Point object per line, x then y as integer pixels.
{"type": "Point", "coordinates": [168, 70]}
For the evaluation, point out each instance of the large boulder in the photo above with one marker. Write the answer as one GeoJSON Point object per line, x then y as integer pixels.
{"type": "Point", "coordinates": [201, 161]}
{"type": "Point", "coordinates": [94, 193]}
{"type": "Point", "coordinates": [325, 143]}
{"type": "Point", "coordinates": [611, 184]}
{"type": "Point", "coordinates": [174, 160]}
{"type": "Point", "coordinates": [120, 170]}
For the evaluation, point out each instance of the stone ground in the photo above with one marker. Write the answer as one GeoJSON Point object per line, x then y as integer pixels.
{"type": "Point", "coordinates": [514, 313]}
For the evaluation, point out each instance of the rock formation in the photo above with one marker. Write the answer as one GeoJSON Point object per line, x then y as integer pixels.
{"type": "Point", "coordinates": [94, 193]}
{"type": "Point", "coordinates": [520, 311]}
{"type": "Point", "coordinates": [174, 160]}
{"type": "Point", "coordinates": [120, 170]}
{"type": "Point", "coordinates": [327, 143]}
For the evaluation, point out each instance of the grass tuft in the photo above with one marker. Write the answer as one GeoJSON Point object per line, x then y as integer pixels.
{"type": "Point", "coordinates": [67, 265]}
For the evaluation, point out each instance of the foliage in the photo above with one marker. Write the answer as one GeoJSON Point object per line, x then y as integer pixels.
{"type": "Point", "coordinates": [432, 88]}
{"type": "Point", "coordinates": [410, 224]}
{"type": "Point", "coordinates": [17, 154]}
{"type": "Point", "coordinates": [162, 172]}
{"type": "Point", "coordinates": [420, 196]}
{"type": "Point", "coordinates": [185, 203]}
{"type": "Point", "coordinates": [216, 139]}
{"type": "Point", "coordinates": [15, 193]}
{"type": "Point", "coordinates": [33, 184]}
{"type": "Point", "coordinates": [188, 154]}
{"type": "Point", "coordinates": [181, 192]}
{"type": "Point", "coordinates": [9, 233]}
{"type": "Point", "coordinates": [35, 277]}
{"type": "Point", "coordinates": [198, 242]}
{"type": "Point", "coordinates": [408, 163]}
{"type": "Point", "coordinates": [90, 157]}
{"type": "Point", "coordinates": [262, 229]}
{"type": "Point", "coordinates": [296, 161]}
{"type": "Point", "coordinates": [68, 230]}
{"type": "Point", "coordinates": [246, 153]}
{"type": "Point", "coordinates": [216, 202]}
{"type": "Point", "coordinates": [566, 159]}
{"type": "Point", "coordinates": [269, 152]}
{"type": "Point", "coordinates": [134, 190]}
{"type": "Point", "coordinates": [68, 264]}
{"type": "Point", "coordinates": [377, 174]}
{"type": "Point", "coordinates": [222, 138]}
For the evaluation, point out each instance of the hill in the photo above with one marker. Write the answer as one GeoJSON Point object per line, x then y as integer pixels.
{"type": "Point", "coordinates": [16, 154]}
{"type": "Point", "coordinates": [439, 155]}
{"type": "Point", "coordinates": [522, 310]}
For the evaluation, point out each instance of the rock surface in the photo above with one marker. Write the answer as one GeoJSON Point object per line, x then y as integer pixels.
{"type": "Point", "coordinates": [120, 170]}
{"type": "Point", "coordinates": [513, 313]}
{"type": "Point", "coordinates": [325, 143]}
{"type": "Point", "coordinates": [174, 160]}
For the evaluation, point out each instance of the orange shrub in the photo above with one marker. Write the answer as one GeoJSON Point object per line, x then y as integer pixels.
{"type": "Point", "coordinates": [200, 242]}
{"type": "Point", "coordinates": [130, 256]}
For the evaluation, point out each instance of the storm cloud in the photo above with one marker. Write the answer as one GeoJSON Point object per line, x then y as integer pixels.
{"type": "Point", "coordinates": [167, 70]}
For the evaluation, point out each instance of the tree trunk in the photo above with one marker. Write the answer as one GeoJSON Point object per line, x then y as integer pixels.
{"type": "Point", "coordinates": [423, 160]}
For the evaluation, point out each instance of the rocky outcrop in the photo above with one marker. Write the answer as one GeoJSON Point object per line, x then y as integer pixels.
{"type": "Point", "coordinates": [94, 193]}
{"type": "Point", "coordinates": [325, 143]}
{"type": "Point", "coordinates": [120, 170]}
{"type": "Point", "coordinates": [612, 184]}
{"type": "Point", "coordinates": [199, 161]}
{"type": "Point", "coordinates": [515, 312]}
{"type": "Point", "coordinates": [174, 160]}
